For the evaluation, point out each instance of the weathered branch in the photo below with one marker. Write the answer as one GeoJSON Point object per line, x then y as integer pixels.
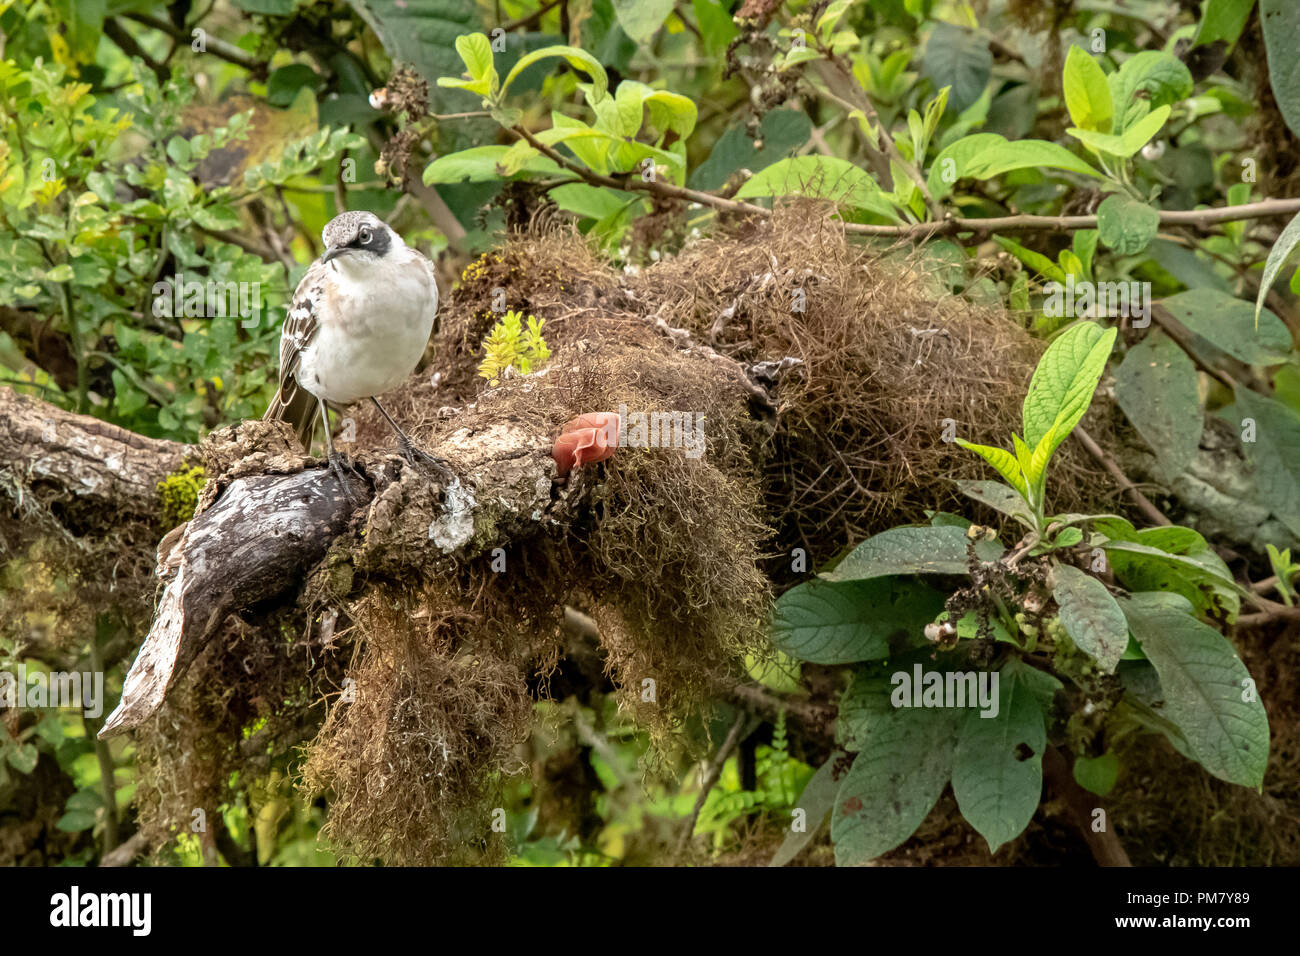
{"type": "Point", "coordinates": [272, 516]}
{"type": "Point", "coordinates": [251, 545]}
{"type": "Point", "coordinates": [96, 463]}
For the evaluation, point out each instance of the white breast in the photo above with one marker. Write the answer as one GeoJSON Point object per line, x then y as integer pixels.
{"type": "Point", "coordinates": [372, 329]}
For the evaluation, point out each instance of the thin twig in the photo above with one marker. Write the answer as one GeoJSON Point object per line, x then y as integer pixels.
{"type": "Point", "coordinates": [1179, 333]}
{"type": "Point", "coordinates": [1082, 807]}
{"type": "Point", "coordinates": [714, 771]}
{"type": "Point", "coordinates": [125, 853]}
{"type": "Point", "coordinates": [1271, 611]}
{"type": "Point", "coordinates": [1139, 499]}
{"type": "Point", "coordinates": [218, 48]}
{"type": "Point", "coordinates": [529, 19]}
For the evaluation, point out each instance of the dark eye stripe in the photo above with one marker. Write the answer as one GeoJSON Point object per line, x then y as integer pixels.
{"type": "Point", "coordinates": [378, 243]}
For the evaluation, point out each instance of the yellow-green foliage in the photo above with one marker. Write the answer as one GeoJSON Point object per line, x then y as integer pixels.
{"type": "Point", "coordinates": [509, 345]}
{"type": "Point", "coordinates": [179, 494]}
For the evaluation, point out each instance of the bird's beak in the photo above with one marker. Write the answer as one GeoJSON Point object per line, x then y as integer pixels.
{"type": "Point", "coordinates": [334, 253]}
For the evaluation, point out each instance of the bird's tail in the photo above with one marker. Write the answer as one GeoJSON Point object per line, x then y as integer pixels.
{"type": "Point", "coordinates": [299, 411]}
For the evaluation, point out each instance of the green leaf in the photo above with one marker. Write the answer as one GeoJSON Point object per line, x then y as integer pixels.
{"type": "Point", "coordinates": [1204, 682]}
{"type": "Point", "coordinates": [896, 779]}
{"type": "Point", "coordinates": [74, 821]}
{"type": "Point", "coordinates": [1186, 266]}
{"type": "Point", "coordinates": [958, 57]}
{"type": "Point", "coordinates": [997, 767]}
{"type": "Point", "coordinates": [1035, 260]}
{"type": "Point", "coordinates": [781, 132]}
{"type": "Point", "coordinates": [1042, 454]}
{"type": "Point", "coordinates": [1275, 454]}
{"type": "Point", "coordinates": [283, 85]}
{"type": "Point", "coordinates": [475, 51]}
{"type": "Point", "coordinates": [590, 202]}
{"type": "Point", "coordinates": [481, 164]}
{"type": "Point", "coordinates": [1084, 245]}
{"type": "Point", "coordinates": [1201, 577]}
{"type": "Point", "coordinates": [1277, 257]}
{"type": "Point", "coordinates": [215, 217]}
{"type": "Point", "coordinates": [1026, 154]}
{"type": "Point", "coordinates": [1125, 145]}
{"type": "Point", "coordinates": [1063, 384]}
{"type": "Point", "coordinates": [641, 19]}
{"type": "Point", "coordinates": [905, 550]}
{"type": "Point", "coordinates": [1087, 95]}
{"type": "Point", "coordinates": [820, 177]}
{"type": "Point", "coordinates": [178, 147]}
{"type": "Point", "coordinates": [1146, 81]}
{"type": "Point", "coordinates": [24, 758]}
{"type": "Point", "coordinates": [950, 165]}
{"type": "Point", "coordinates": [840, 623]}
{"type": "Point", "coordinates": [816, 801]}
{"type": "Point", "coordinates": [1025, 457]}
{"type": "Point", "coordinates": [1126, 225]}
{"type": "Point", "coordinates": [1097, 774]}
{"type": "Point", "coordinates": [424, 33]}
{"type": "Point", "coordinates": [1280, 20]}
{"type": "Point", "coordinates": [1090, 616]}
{"type": "Point", "coordinates": [1156, 386]}
{"type": "Point", "coordinates": [277, 8]}
{"type": "Point", "coordinates": [1002, 461]}
{"type": "Point", "coordinates": [1228, 323]}
{"type": "Point", "coordinates": [797, 55]}
{"type": "Point", "coordinates": [671, 112]}
{"type": "Point", "coordinates": [864, 703]}
{"type": "Point", "coordinates": [998, 497]}
{"type": "Point", "coordinates": [576, 58]}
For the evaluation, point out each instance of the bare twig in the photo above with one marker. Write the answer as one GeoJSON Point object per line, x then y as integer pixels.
{"type": "Point", "coordinates": [529, 19]}
{"type": "Point", "coordinates": [218, 48]}
{"type": "Point", "coordinates": [744, 722]}
{"type": "Point", "coordinates": [1139, 499]}
{"type": "Point", "coordinates": [1179, 333]}
{"type": "Point", "coordinates": [128, 851]}
{"type": "Point", "coordinates": [1081, 806]}
{"type": "Point", "coordinates": [1271, 611]}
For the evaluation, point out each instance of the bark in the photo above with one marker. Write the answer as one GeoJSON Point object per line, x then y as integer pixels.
{"type": "Point", "coordinates": [271, 516]}
{"type": "Point", "coordinates": [109, 469]}
{"type": "Point", "coordinates": [252, 544]}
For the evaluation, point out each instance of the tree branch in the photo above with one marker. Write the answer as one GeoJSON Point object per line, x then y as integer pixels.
{"type": "Point", "coordinates": [217, 47]}
{"type": "Point", "coordinates": [950, 225]}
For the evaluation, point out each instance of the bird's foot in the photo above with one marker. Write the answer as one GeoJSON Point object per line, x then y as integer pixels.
{"type": "Point", "coordinates": [342, 468]}
{"type": "Point", "coordinates": [418, 457]}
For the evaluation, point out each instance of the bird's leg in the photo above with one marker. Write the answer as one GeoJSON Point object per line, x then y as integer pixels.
{"type": "Point", "coordinates": [336, 460]}
{"type": "Point", "coordinates": [410, 452]}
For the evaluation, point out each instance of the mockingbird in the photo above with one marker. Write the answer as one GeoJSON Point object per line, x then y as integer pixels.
{"type": "Point", "coordinates": [357, 327]}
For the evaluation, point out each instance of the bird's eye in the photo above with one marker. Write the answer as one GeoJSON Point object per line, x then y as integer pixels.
{"type": "Point", "coordinates": [365, 235]}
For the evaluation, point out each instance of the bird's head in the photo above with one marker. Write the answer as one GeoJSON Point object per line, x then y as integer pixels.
{"type": "Point", "coordinates": [358, 239]}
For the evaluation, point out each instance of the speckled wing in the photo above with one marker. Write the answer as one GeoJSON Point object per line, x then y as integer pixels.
{"type": "Point", "coordinates": [293, 403]}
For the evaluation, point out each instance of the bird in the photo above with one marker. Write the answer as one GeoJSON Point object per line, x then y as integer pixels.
{"type": "Point", "coordinates": [356, 328]}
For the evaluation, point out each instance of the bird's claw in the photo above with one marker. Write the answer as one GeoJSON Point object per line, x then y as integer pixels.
{"type": "Point", "coordinates": [418, 456]}
{"type": "Point", "coordinates": [341, 466]}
